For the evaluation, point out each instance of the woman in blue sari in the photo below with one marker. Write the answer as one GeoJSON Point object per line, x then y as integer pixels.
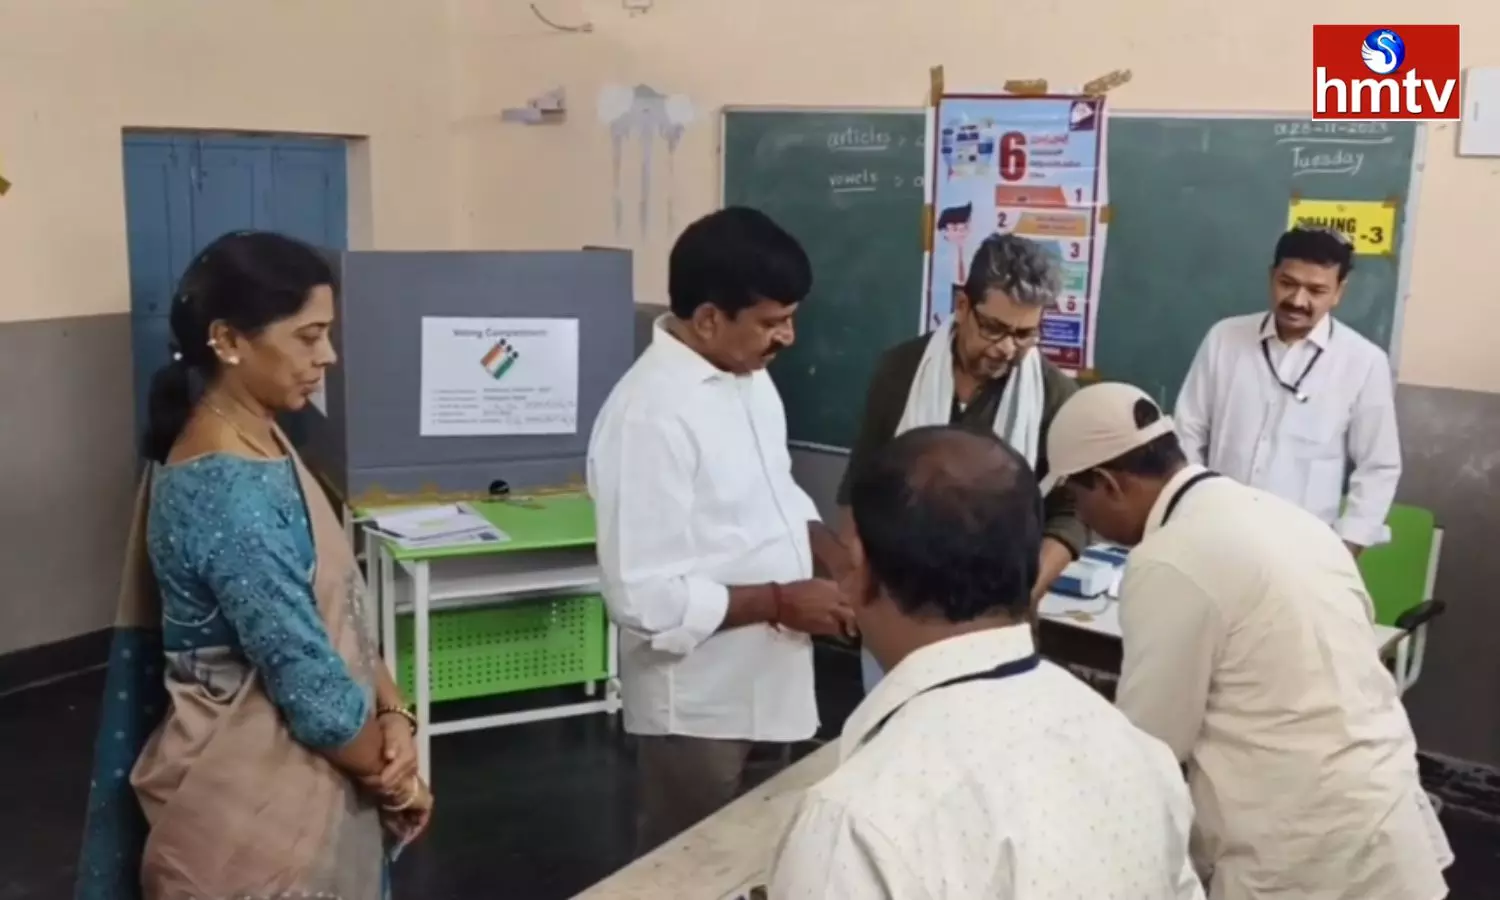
{"type": "Point", "coordinates": [252, 744]}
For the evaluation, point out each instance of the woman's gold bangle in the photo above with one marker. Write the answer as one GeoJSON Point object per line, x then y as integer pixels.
{"type": "Point", "coordinates": [403, 712]}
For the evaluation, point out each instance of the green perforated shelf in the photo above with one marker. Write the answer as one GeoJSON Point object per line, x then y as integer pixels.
{"type": "Point", "coordinates": [513, 647]}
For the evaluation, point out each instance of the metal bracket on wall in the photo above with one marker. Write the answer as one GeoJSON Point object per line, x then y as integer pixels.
{"type": "Point", "coordinates": [547, 108]}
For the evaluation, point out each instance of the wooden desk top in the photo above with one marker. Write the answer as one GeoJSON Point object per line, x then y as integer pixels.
{"type": "Point", "coordinates": [729, 851]}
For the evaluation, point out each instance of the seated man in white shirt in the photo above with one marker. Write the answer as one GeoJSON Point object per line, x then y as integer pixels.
{"type": "Point", "coordinates": [1291, 400]}
{"type": "Point", "coordinates": [974, 770]}
{"type": "Point", "coordinates": [1248, 650]}
{"type": "Point", "coordinates": [706, 545]}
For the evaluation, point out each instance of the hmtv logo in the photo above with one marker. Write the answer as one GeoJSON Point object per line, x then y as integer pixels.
{"type": "Point", "coordinates": [1386, 73]}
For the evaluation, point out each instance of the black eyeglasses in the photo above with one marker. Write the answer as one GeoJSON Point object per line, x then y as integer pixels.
{"type": "Point", "coordinates": [995, 331]}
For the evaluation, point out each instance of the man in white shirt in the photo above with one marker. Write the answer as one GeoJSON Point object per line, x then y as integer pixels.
{"type": "Point", "coordinates": [1248, 650]}
{"type": "Point", "coordinates": [706, 545]}
{"type": "Point", "coordinates": [974, 770]}
{"type": "Point", "coordinates": [1290, 401]}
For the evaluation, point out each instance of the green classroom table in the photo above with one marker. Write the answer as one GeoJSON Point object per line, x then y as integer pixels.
{"type": "Point", "coordinates": [487, 619]}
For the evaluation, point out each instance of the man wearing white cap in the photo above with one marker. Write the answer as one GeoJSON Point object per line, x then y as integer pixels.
{"type": "Point", "coordinates": [1248, 651]}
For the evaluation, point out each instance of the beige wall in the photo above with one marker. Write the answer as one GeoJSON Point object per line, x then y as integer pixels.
{"type": "Point", "coordinates": [74, 73]}
{"type": "Point", "coordinates": [425, 81]}
{"type": "Point", "coordinates": [551, 186]}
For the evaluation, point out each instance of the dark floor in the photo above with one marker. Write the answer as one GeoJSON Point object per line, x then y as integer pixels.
{"type": "Point", "coordinates": [536, 811]}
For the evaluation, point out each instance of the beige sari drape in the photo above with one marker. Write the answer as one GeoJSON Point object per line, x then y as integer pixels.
{"type": "Point", "coordinates": [238, 809]}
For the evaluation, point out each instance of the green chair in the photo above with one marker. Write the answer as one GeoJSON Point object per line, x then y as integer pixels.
{"type": "Point", "coordinates": [1399, 576]}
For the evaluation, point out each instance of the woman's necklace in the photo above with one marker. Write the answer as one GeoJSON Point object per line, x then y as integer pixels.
{"type": "Point", "coordinates": [250, 442]}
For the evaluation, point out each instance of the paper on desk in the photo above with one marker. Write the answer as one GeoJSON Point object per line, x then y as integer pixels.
{"type": "Point", "coordinates": [434, 527]}
{"type": "Point", "coordinates": [1056, 604]}
{"type": "Point", "coordinates": [1063, 605]}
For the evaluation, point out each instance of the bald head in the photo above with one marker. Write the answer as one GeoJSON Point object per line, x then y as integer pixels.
{"type": "Point", "coordinates": [951, 524]}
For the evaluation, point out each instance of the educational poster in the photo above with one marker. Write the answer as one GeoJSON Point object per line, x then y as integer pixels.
{"type": "Point", "coordinates": [1027, 165]}
{"type": "Point", "coordinates": [486, 377]}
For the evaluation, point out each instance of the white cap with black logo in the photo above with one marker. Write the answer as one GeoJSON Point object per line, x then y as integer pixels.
{"type": "Point", "coordinates": [1093, 427]}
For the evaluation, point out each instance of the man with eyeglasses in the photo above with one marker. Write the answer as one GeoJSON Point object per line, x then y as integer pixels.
{"type": "Point", "coordinates": [1295, 403]}
{"type": "Point", "coordinates": [979, 371]}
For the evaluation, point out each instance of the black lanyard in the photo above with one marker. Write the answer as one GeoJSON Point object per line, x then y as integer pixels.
{"type": "Point", "coordinates": [1295, 388]}
{"type": "Point", "coordinates": [1182, 492]}
{"type": "Point", "coordinates": [999, 673]}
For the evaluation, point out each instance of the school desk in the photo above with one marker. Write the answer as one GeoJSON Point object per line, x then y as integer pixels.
{"type": "Point", "coordinates": [1098, 645]}
{"type": "Point", "coordinates": [482, 620]}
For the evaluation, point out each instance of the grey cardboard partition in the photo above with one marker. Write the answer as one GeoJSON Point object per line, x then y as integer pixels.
{"type": "Point", "coordinates": [369, 441]}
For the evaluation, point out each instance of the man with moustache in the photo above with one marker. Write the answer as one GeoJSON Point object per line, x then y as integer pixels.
{"type": "Point", "coordinates": [980, 371]}
{"type": "Point", "coordinates": [706, 545]}
{"type": "Point", "coordinates": [1293, 402]}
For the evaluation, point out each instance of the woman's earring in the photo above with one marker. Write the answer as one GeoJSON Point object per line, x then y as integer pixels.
{"type": "Point", "coordinates": [231, 359]}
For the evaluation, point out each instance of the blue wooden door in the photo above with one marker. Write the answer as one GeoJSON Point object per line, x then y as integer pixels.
{"type": "Point", "coordinates": [309, 194]}
{"type": "Point", "coordinates": [183, 191]}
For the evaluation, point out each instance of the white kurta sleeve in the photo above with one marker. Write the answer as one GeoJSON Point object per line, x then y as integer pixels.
{"type": "Point", "coordinates": [641, 479]}
{"type": "Point", "coordinates": [1194, 410]}
{"type": "Point", "coordinates": [1374, 448]}
{"type": "Point", "coordinates": [1173, 633]}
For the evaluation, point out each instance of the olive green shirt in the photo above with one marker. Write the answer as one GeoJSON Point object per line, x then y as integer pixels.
{"type": "Point", "coordinates": [894, 374]}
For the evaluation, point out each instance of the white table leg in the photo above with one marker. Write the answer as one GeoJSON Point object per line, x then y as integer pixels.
{"type": "Point", "coordinates": [386, 597]}
{"type": "Point", "coordinates": [372, 575]}
{"type": "Point", "coordinates": [421, 610]}
{"type": "Point", "coordinates": [612, 683]}
{"type": "Point", "coordinates": [1403, 664]}
{"type": "Point", "coordinates": [1418, 653]}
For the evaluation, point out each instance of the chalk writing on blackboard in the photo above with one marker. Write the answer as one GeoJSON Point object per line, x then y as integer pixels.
{"type": "Point", "coordinates": [859, 140]}
{"type": "Point", "coordinates": [1314, 161]}
{"type": "Point", "coordinates": [854, 182]}
{"type": "Point", "coordinates": [1331, 129]}
{"type": "Point", "coordinates": [1330, 148]}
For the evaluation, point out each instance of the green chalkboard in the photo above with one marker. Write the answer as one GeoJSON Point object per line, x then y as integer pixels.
{"type": "Point", "coordinates": [848, 184]}
{"type": "Point", "coordinates": [1196, 204]}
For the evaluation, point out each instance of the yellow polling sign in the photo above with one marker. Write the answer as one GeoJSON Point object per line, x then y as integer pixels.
{"type": "Point", "coordinates": [1368, 224]}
